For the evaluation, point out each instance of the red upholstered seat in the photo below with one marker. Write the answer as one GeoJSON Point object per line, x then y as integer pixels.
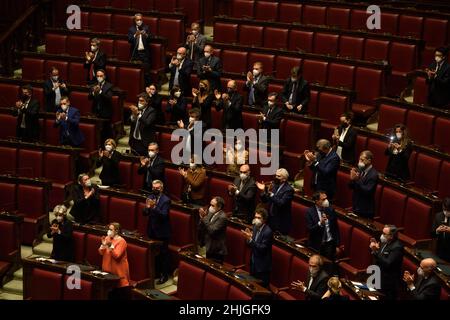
{"type": "Point", "coordinates": [314, 15]}
{"type": "Point", "coordinates": [378, 147]}
{"type": "Point", "coordinates": [441, 134]}
{"type": "Point", "coordinates": [77, 74]}
{"type": "Point", "coordinates": [138, 260]}
{"type": "Point", "coordinates": [369, 85]}
{"type": "Point", "coordinates": [51, 281]}
{"type": "Point", "coordinates": [120, 4]}
{"type": "Point", "coordinates": [298, 272]}
{"type": "Point", "coordinates": [92, 256]}
{"type": "Point", "coordinates": [290, 12]}
{"type": "Point", "coordinates": [420, 126]}
{"type": "Point", "coordinates": [77, 45]}
{"type": "Point", "coordinates": [295, 147]}
{"type": "Point", "coordinates": [361, 144]}
{"type": "Point", "coordinates": [417, 222]}
{"type": "Point", "coordinates": [338, 17]}
{"type": "Point", "coordinates": [250, 120]}
{"type": "Point", "coordinates": [435, 32]}
{"type": "Point", "coordinates": [281, 263]}
{"type": "Point", "coordinates": [166, 145]}
{"type": "Point", "coordinates": [190, 282]}
{"type": "Point", "coordinates": [276, 38]}
{"type": "Point", "coordinates": [33, 69]}
{"type": "Point", "coordinates": [144, 5]}
{"type": "Point", "coordinates": [237, 294]}
{"type": "Point", "coordinates": [219, 187]}
{"type": "Point", "coordinates": [107, 46]}
{"type": "Point", "coordinates": [410, 26]}
{"type": "Point", "coordinates": [392, 207]}
{"type": "Point", "coordinates": [84, 293]}
{"type": "Point", "coordinates": [8, 237]}
{"type": "Point", "coordinates": [8, 160]}
{"type": "Point", "coordinates": [79, 245]}
{"type": "Point", "coordinates": [242, 8]}
{"type": "Point", "coordinates": [238, 253]}
{"type": "Point", "coordinates": [174, 183]}
{"type": "Point", "coordinates": [326, 43]}
{"type": "Point", "coordinates": [90, 136]}
{"type": "Point", "coordinates": [444, 180]}
{"type": "Point", "coordinates": [192, 9]}
{"type": "Point", "coordinates": [389, 116]}
{"type": "Point", "coordinates": [268, 60]}
{"type": "Point", "coordinates": [343, 192]}
{"type": "Point", "coordinates": [7, 196]}
{"type": "Point", "coordinates": [345, 237]}
{"type": "Point", "coordinates": [214, 288]}
{"type": "Point", "coordinates": [123, 211]}
{"type": "Point", "coordinates": [141, 220]}
{"type": "Point", "coordinates": [420, 91]}
{"type": "Point", "coordinates": [172, 29]}
{"type": "Point", "coordinates": [341, 75]}
{"type": "Point", "coordinates": [122, 50]}
{"type": "Point", "coordinates": [352, 47]}
{"type": "Point", "coordinates": [315, 71]}
{"type": "Point", "coordinates": [358, 19]}
{"type": "Point", "coordinates": [331, 106]}
{"type": "Point", "coordinates": [284, 65]}
{"type": "Point", "coordinates": [121, 23]}
{"type": "Point", "coordinates": [9, 94]}
{"type": "Point", "coordinates": [376, 50]}
{"type": "Point", "coordinates": [298, 224]}
{"type": "Point", "coordinates": [251, 35]}
{"type": "Point", "coordinates": [389, 24]}
{"type": "Point", "coordinates": [165, 6]}
{"type": "Point", "coordinates": [30, 163]}
{"type": "Point", "coordinates": [225, 32]}
{"type": "Point", "coordinates": [80, 100]}
{"type": "Point", "coordinates": [130, 80]}
{"type": "Point", "coordinates": [429, 178]}
{"type": "Point", "coordinates": [266, 10]}
{"type": "Point", "coordinates": [234, 61]}
{"type": "Point", "coordinates": [360, 257]}
{"type": "Point", "coordinates": [301, 40]}
{"type": "Point", "coordinates": [403, 57]}
{"type": "Point", "coordinates": [100, 22]}
{"type": "Point", "coordinates": [8, 126]}
{"type": "Point", "coordinates": [51, 133]}
{"type": "Point", "coordinates": [182, 224]}
{"type": "Point", "coordinates": [55, 43]}
{"type": "Point", "coordinates": [61, 177]}
{"type": "Point", "coordinates": [125, 169]}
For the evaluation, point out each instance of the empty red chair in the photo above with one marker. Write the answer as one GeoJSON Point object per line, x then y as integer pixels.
{"type": "Point", "coordinates": [389, 23]}
{"type": "Point", "coordinates": [341, 75]}
{"type": "Point", "coordinates": [100, 22]}
{"type": "Point", "coordinates": [410, 26]}
{"type": "Point", "coordinates": [61, 177]}
{"type": "Point", "coordinates": [8, 159]}
{"type": "Point", "coordinates": [275, 38]}
{"type": "Point", "coordinates": [403, 59]}
{"type": "Point", "coordinates": [78, 245]}
{"type": "Point", "coordinates": [298, 271]}
{"type": "Point", "coordinates": [420, 127]}
{"type": "Point", "coordinates": [107, 46]}
{"type": "Point", "coordinates": [392, 207]}
{"type": "Point", "coordinates": [219, 187]}
{"type": "Point", "coordinates": [158, 53]}
{"type": "Point", "coordinates": [174, 183]}
{"type": "Point", "coordinates": [51, 281]}
{"type": "Point", "coordinates": [326, 43]}
{"type": "Point", "coordinates": [298, 227]}
{"type": "Point", "coordinates": [77, 74]}
{"type": "Point", "coordinates": [345, 237]}
{"type": "Point", "coordinates": [378, 147]}
{"type": "Point", "coordinates": [268, 61]}
{"type": "Point", "coordinates": [190, 282]}
{"type": "Point", "coordinates": [237, 248]}
{"type": "Point", "coordinates": [295, 147]}
{"type": "Point", "coordinates": [125, 169]}
{"type": "Point", "coordinates": [130, 80]}
{"type": "Point", "coordinates": [284, 65]}
{"type": "Point", "coordinates": [343, 192]}
{"type": "Point", "coordinates": [51, 133]}
{"type": "Point", "coordinates": [10, 245]}
{"type": "Point", "coordinates": [33, 69]}
{"type": "Point", "coordinates": [266, 10]}
{"type": "Point", "coordinates": [193, 10]}
{"type": "Point", "coordinates": [358, 19]}
{"type": "Point", "coordinates": [301, 40]}
{"type": "Point", "coordinates": [173, 30]}
{"type": "Point", "coordinates": [111, 77]}
{"type": "Point", "coordinates": [55, 43]}
{"type": "Point", "coordinates": [123, 211]}
{"type": "Point", "coordinates": [139, 261]}
{"type": "Point", "coordinates": [429, 178]}
{"type": "Point", "coordinates": [417, 222]}
{"type": "Point", "coordinates": [144, 5]}
{"type": "Point", "coordinates": [376, 50]}
{"type": "Point", "coordinates": [290, 12]}
{"type": "Point", "coordinates": [122, 50]}
{"type": "Point", "coordinates": [85, 292]}
{"type": "Point", "coordinates": [80, 100]}
{"type": "Point", "coordinates": [435, 32]}
{"type": "Point", "coordinates": [359, 254]}
{"type": "Point", "coordinates": [361, 144]}
{"type": "Point", "coordinates": [441, 134]}
{"type": "Point", "coordinates": [234, 61]}
{"type": "Point", "coordinates": [351, 47]}
{"type": "Point", "coordinates": [389, 116]}
{"type": "Point", "coordinates": [165, 6]}
{"type": "Point", "coordinates": [77, 45]}
{"type": "Point", "coordinates": [281, 263]}
{"type": "Point", "coordinates": [215, 288]}
{"type": "Point", "coordinates": [331, 106]}
{"type": "Point", "coordinates": [314, 15]}
{"type": "Point", "coordinates": [30, 163]}
{"type": "Point", "coordinates": [121, 23]}
{"type": "Point", "coordinates": [369, 84]}
{"type": "Point", "coordinates": [7, 196]}
{"type": "Point", "coordinates": [444, 180]}
{"type": "Point", "coordinates": [9, 94]}
{"type": "Point", "coordinates": [250, 120]}
{"type": "Point", "coordinates": [250, 35]}
{"type": "Point", "coordinates": [92, 256]}
{"type": "Point", "coordinates": [338, 17]}
{"type": "Point", "coordinates": [225, 32]}
{"type": "Point", "coordinates": [90, 143]}
{"type": "Point", "coordinates": [242, 9]}
{"type": "Point", "coordinates": [183, 228]}
{"type": "Point", "coordinates": [32, 203]}
{"type": "Point", "coordinates": [120, 4]}
{"type": "Point", "coordinates": [315, 71]}
{"type": "Point", "coordinates": [237, 294]}
{"type": "Point", "coordinates": [153, 23]}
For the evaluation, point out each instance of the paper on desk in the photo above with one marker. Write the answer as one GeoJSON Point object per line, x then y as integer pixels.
{"type": "Point", "coordinates": [299, 245]}
{"type": "Point", "coordinates": [99, 272]}
{"type": "Point", "coordinates": [373, 298]}
{"type": "Point", "coordinates": [357, 283]}
{"type": "Point", "coordinates": [46, 259]}
{"type": "Point", "coordinates": [372, 289]}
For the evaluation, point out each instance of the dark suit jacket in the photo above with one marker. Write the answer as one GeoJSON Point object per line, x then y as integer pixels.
{"type": "Point", "coordinates": [390, 262]}
{"type": "Point", "coordinates": [318, 286]}
{"type": "Point", "coordinates": [280, 205]}
{"type": "Point", "coordinates": [110, 174]}
{"type": "Point", "coordinates": [348, 145]}
{"type": "Point", "coordinates": [398, 164]}
{"type": "Point", "coordinates": [184, 77]}
{"type": "Point", "coordinates": [326, 168]}
{"type": "Point", "coordinates": [426, 289]}
{"type": "Point", "coordinates": [99, 63]}
{"type": "Point", "coordinates": [156, 103]}
{"type": "Point", "coordinates": [50, 96]}
{"type": "Point", "coordinates": [443, 239]}
{"type": "Point", "coordinates": [134, 43]}
{"type": "Point", "coordinates": [261, 257]}
{"type": "Point", "coordinates": [364, 194]}
{"type": "Point", "coordinates": [31, 114]}
{"type": "Point", "coordinates": [273, 120]}
{"type": "Point", "coordinates": [244, 201]}
{"type": "Point", "coordinates": [438, 87]}
{"type": "Point", "coordinates": [102, 102]}
{"type": "Point", "coordinates": [69, 131]}
{"type": "Point", "coordinates": [158, 226]}
{"type": "Point", "coordinates": [205, 108]}
{"type": "Point", "coordinates": [178, 111]}
{"type": "Point", "coordinates": [316, 231]}
{"type": "Point", "coordinates": [213, 233]}
{"type": "Point", "coordinates": [214, 75]}
{"type": "Point", "coordinates": [85, 210]}
{"type": "Point", "coordinates": [232, 114]}
{"type": "Point", "coordinates": [62, 243]}
{"type": "Point", "coordinates": [301, 96]}
{"type": "Point", "coordinates": [199, 46]}
{"type": "Point", "coordinates": [155, 171]}
{"type": "Point", "coordinates": [146, 128]}
{"type": "Point", "coordinates": [260, 89]}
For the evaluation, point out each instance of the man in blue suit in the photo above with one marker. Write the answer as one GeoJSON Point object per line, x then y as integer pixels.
{"type": "Point", "coordinates": [325, 165]}
{"type": "Point", "coordinates": [260, 240]}
{"type": "Point", "coordinates": [139, 39]}
{"type": "Point", "coordinates": [323, 229]}
{"type": "Point", "coordinates": [67, 119]}
{"type": "Point", "coordinates": [279, 199]}
{"type": "Point", "coordinates": [157, 209]}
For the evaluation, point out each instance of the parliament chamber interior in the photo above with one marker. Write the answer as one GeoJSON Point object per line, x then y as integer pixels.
{"type": "Point", "coordinates": [356, 95]}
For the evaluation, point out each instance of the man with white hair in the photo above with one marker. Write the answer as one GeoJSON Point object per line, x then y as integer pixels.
{"type": "Point", "coordinates": [426, 285]}
{"type": "Point", "coordinates": [279, 196]}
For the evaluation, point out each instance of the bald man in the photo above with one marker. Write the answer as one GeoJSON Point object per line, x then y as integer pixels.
{"type": "Point", "coordinates": [180, 69]}
{"type": "Point", "coordinates": [426, 286]}
{"type": "Point", "coordinates": [243, 190]}
{"type": "Point", "coordinates": [231, 104]}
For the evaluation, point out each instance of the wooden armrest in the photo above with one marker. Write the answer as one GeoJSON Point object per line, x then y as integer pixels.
{"type": "Point", "coordinates": [281, 289]}
{"type": "Point", "coordinates": [185, 247]}
{"type": "Point", "coordinates": [239, 266]}
{"type": "Point", "coordinates": [342, 260]}
{"type": "Point", "coordinates": [143, 284]}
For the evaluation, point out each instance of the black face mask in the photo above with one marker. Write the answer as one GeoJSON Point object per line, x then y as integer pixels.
{"type": "Point", "coordinates": [277, 180]}
{"type": "Point", "coordinates": [156, 192]}
{"type": "Point", "coordinates": [344, 125]}
{"type": "Point", "coordinates": [25, 97]}
{"type": "Point", "coordinates": [230, 91]}
{"type": "Point", "coordinates": [202, 89]}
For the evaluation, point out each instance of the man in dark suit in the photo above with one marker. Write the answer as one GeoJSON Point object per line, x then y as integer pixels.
{"type": "Point", "coordinates": [157, 209]}
{"type": "Point", "coordinates": [260, 241]}
{"type": "Point", "coordinates": [231, 104]}
{"type": "Point", "coordinates": [344, 138]}
{"type": "Point", "coordinates": [209, 67]}
{"type": "Point", "coordinates": [438, 80]}
{"type": "Point", "coordinates": [180, 69]}
{"type": "Point", "coordinates": [139, 39]}
{"type": "Point", "coordinates": [324, 165]}
{"type": "Point", "coordinates": [364, 182]}
{"type": "Point", "coordinates": [316, 282]}
{"type": "Point", "coordinates": [152, 167]}
{"type": "Point", "coordinates": [296, 93]}
{"type": "Point", "coordinates": [101, 96]}
{"type": "Point", "coordinates": [323, 229]}
{"type": "Point", "coordinates": [426, 286]}
{"type": "Point", "coordinates": [441, 231]}
{"type": "Point", "coordinates": [243, 190]}
{"type": "Point", "coordinates": [68, 119]}
{"type": "Point", "coordinates": [280, 202]}
{"type": "Point", "coordinates": [155, 101]}
{"type": "Point", "coordinates": [212, 230]}
{"type": "Point", "coordinates": [388, 256]}
{"type": "Point", "coordinates": [195, 43]}
{"type": "Point", "coordinates": [54, 89]}
{"type": "Point", "coordinates": [27, 113]}
{"type": "Point", "coordinates": [85, 200]}
{"type": "Point", "coordinates": [257, 85]}
{"type": "Point", "coordinates": [142, 129]}
{"type": "Point", "coordinates": [271, 116]}
{"type": "Point", "coordinates": [95, 60]}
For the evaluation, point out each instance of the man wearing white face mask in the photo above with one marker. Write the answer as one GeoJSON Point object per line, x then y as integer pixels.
{"type": "Point", "coordinates": [139, 38]}
{"type": "Point", "coordinates": [315, 285]}
{"type": "Point", "coordinates": [142, 129]}
{"type": "Point", "coordinates": [95, 60]}
{"type": "Point", "coordinates": [67, 119]}
{"type": "Point", "coordinates": [209, 67]}
{"type": "Point", "coordinates": [86, 201]}
{"type": "Point", "coordinates": [426, 286]}
{"type": "Point", "coordinates": [243, 190]}
{"type": "Point", "coordinates": [152, 166]}
{"type": "Point", "coordinates": [323, 229]}
{"type": "Point", "coordinates": [180, 69]}
{"type": "Point", "coordinates": [270, 117]}
{"type": "Point", "coordinates": [54, 88]}
{"type": "Point", "coordinates": [195, 42]}
{"type": "Point", "coordinates": [61, 232]}
{"type": "Point", "coordinates": [194, 188]}
{"type": "Point", "coordinates": [438, 80]}
{"type": "Point", "coordinates": [441, 230]}
{"type": "Point", "coordinates": [257, 85]}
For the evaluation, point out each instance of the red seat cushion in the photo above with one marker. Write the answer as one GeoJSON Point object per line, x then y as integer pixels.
{"type": "Point", "coordinates": [275, 38]}
{"type": "Point", "coordinates": [219, 187]}
{"type": "Point", "coordinates": [281, 263]}
{"type": "Point", "coordinates": [130, 80]}
{"type": "Point", "coordinates": [444, 180]}
{"type": "Point", "coordinates": [378, 147]}
{"type": "Point", "coordinates": [266, 10]}
{"type": "Point", "coordinates": [242, 9]}
{"type": "Point", "coordinates": [225, 32]}
{"type": "Point", "coordinates": [417, 221]}
{"type": "Point", "coordinates": [420, 126]}
{"type": "Point", "coordinates": [429, 178]}
{"type": "Point", "coordinates": [250, 35]}
{"type": "Point", "coordinates": [435, 32]}
{"type": "Point", "coordinates": [410, 26]}
{"type": "Point", "coordinates": [345, 236]}
{"type": "Point", "coordinates": [8, 160]}
{"type": "Point", "coordinates": [63, 162]}
{"type": "Point", "coordinates": [174, 183]}
{"type": "Point", "coordinates": [138, 259]}
{"type": "Point", "coordinates": [298, 228]}
{"type": "Point", "coordinates": [331, 106]}
{"type": "Point", "coordinates": [237, 247]}
{"type": "Point", "coordinates": [92, 256]}
{"type": "Point", "coordinates": [389, 116]}
{"type": "Point", "coordinates": [267, 60]}
{"type": "Point", "coordinates": [76, 46]}
{"type": "Point", "coordinates": [51, 281]}
{"type": "Point", "coordinates": [315, 71]}
{"type": "Point", "coordinates": [8, 196]}
{"type": "Point", "coordinates": [85, 292]}
{"type": "Point", "coordinates": [341, 75]}
{"type": "Point", "coordinates": [123, 211]}
{"type": "Point", "coordinates": [215, 288]}
{"type": "Point", "coordinates": [8, 238]}
{"type": "Point", "coordinates": [121, 23]}
{"type": "Point", "coordinates": [9, 96]}
{"type": "Point", "coordinates": [77, 74]}
{"type": "Point", "coordinates": [338, 17]}
{"type": "Point", "coordinates": [30, 163]}
{"type": "Point", "coordinates": [352, 47]}
{"type": "Point", "coordinates": [172, 29]}
{"type": "Point", "coordinates": [190, 282]}
{"type": "Point", "coordinates": [33, 69]}
{"type": "Point", "coordinates": [392, 207]}
{"type": "Point", "coordinates": [237, 294]}
{"type": "Point", "coordinates": [441, 134]}
{"type": "Point", "coordinates": [358, 19]}
{"type": "Point", "coordinates": [183, 224]}
{"type": "Point", "coordinates": [79, 245]}
{"type": "Point", "coordinates": [314, 15]}
{"type": "Point", "coordinates": [284, 66]}
{"type": "Point", "coordinates": [100, 22]}
{"type": "Point", "coordinates": [376, 50]}
{"type": "Point", "coordinates": [343, 192]}
{"type": "Point", "coordinates": [301, 40]}
{"type": "Point", "coordinates": [326, 43]}
{"type": "Point", "coordinates": [55, 43]}
{"type": "Point", "coordinates": [290, 12]}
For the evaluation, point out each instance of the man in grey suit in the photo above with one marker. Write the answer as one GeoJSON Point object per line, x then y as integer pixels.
{"type": "Point", "coordinates": [212, 230]}
{"type": "Point", "coordinates": [195, 43]}
{"type": "Point", "coordinates": [243, 190]}
{"type": "Point", "coordinates": [209, 68]}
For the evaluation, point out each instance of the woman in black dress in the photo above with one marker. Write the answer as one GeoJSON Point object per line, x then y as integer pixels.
{"type": "Point", "coordinates": [109, 158]}
{"type": "Point", "coordinates": [177, 106]}
{"type": "Point", "coordinates": [203, 100]}
{"type": "Point", "coordinates": [399, 150]}
{"type": "Point", "coordinates": [61, 232]}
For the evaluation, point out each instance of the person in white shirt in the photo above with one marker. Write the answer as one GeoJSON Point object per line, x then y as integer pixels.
{"type": "Point", "coordinates": [344, 138]}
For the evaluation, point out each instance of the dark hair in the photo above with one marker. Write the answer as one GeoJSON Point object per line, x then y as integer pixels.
{"type": "Point", "coordinates": [195, 111]}
{"type": "Point", "coordinates": [174, 89]}
{"type": "Point", "coordinates": [295, 71]}
{"type": "Point", "coordinates": [53, 68]}
{"type": "Point", "coordinates": [27, 87]}
{"type": "Point", "coordinates": [405, 138]}
{"type": "Point", "coordinates": [316, 195]}
{"type": "Point", "coordinates": [143, 96]}
{"type": "Point", "coordinates": [101, 70]}
{"type": "Point", "coordinates": [116, 226]}
{"type": "Point", "coordinates": [393, 230]}
{"type": "Point", "coordinates": [443, 50]}
{"type": "Point", "coordinates": [220, 202]}
{"type": "Point", "coordinates": [263, 212]}
{"type": "Point", "coordinates": [348, 115]}
{"type": "Point", "coordinates": [368, 154]}
{"type": "Point", "coordinates": [446, 203]}
{"type": "Point", "coordinates": [273, 94]}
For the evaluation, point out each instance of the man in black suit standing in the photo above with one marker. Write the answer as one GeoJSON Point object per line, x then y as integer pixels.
{"type": "Point", "coordinates": [209, 67]}
{"type": "Point", "coordinates": [180, 69]}
{"type": "Point", "coordinates": [142, 130]}
{"type": "Point", "coordinates": [260, 241]}
{"type": "Point", "coordinates": [243, 190]}
{"type": "Point", "coordinates": [157, 209]}
{"type": "Point", "coordinates": [296, 93]}
{"type": "Point", "coordinates": [101, 95]}
{"type": "Point", "coordinates": [139, 39]}
{"type": "Point", "coordinates": [324, 165]}
{"type": "Point", "coordinates": [54, 89]}
{"type": "Point", "coordinates": [388, 256]}
{"type": "Point", "coordinates": [316, 282]}
{"type": "Point", "coordinates": [364, 182]}
{"type": "Point", "coordinates": [152, 167]}
{"type": "Point", "coordinates": [344, 138]}
{"type": "Point", "coordinates": [195, 43]}
{"type": "Point", "coordinates": [27, 113]}
{"type": "Point", "coordinates": [426, 286]}
{"type": "Point", "coordinates": [279, 199]}
{"type": "Point", "coordinates": [231, 104]}
{"type": "Point", "coordinates": [257, 85]}
{"type": "Point", "coordinates": [95, 60]}
{"type": "Point", "coordinates": [438, 80]}
{"type": "Point", "coordinates": [441, 231]}
{"type": "Point", "coordinates": [271, 116]}
{"type": "Point", "coordinates": [321, 221]}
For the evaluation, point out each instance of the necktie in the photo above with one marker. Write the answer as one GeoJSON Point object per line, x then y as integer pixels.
{"type": "Point", "coordinates": [241, 185]}
{"type": "Point", "coordinates": [137, 132]}
{"type": "Point", "coordinates": [251, 96]}
{"type": "Point", "coordinates": [149, 177]}
{"type": "Point", "coordinates": [311, 279]}
{"type": "Point", "coordinates": [91, 70]}
{"type": "Point", "coordinates": [292, 97]}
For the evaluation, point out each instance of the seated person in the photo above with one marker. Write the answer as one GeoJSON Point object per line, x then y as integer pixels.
{"type": "Point", "coordinates": [61, 232]}
{"type": "Point", "coordinates": [109, 159]}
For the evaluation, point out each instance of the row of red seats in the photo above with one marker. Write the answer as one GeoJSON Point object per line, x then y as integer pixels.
{"type": "Point", "coordinates": [10, 249]}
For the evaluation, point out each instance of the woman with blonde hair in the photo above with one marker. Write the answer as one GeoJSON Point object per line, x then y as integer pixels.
{"type": "Point", "coordinates": [334, 290]}
{"type": "Point", "coordinates": [399, 150]}
{"type": "Point", "coordinates": [203, 100]}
